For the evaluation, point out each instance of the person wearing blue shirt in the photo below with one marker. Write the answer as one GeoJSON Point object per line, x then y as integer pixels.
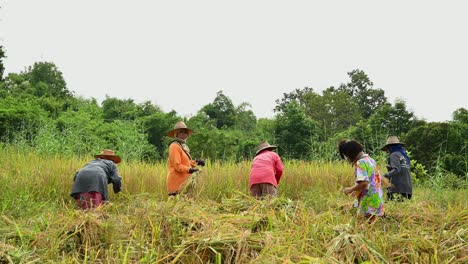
{"type": "Point", "coordinates": [399, 171]}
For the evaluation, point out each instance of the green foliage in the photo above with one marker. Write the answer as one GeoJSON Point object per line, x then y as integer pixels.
{"type": "Point", "coordinates": [265, 128]}
{"type": "Point", "coordinates": [387, 120]}
{"type": "Point", "coordinates": [47, 80]}
{"type": "Point", "coordinates": [156, 127]}
{"type": "Point", "coordinates": [245, 119]}
{"type": "Point", "coordinates": [2, 67]}
{"type": "Point", "coordinates": [222, 111]}
{"type": "Point", "coordinates": [214, 143]}
{"type": "Point", "coordinates": [132, 142]}
{"type": "Point", "coordinates": [440, 145]}
{"type": "Point", "coordinates": [418, 173]}
{"type": "Point", "coordinates": [361, 89]}
{"type": "Point", "coordinates": [79, 133]}
{"type": "Point", "coordinates": [224, 115]}
{"type": "Point", "coordinates": [334, 110]}
{"type": "Point", "coordinates": [16, 85]}
{"type": "Point", "coordinates": [363, 133]}
{"type": "Point", "coordinates": [43, 83]}
{"type": "Point", "coordinates": [298, 96]}
{"type": "Point", "coordinates": [37, 110]}
{"type": "Point", "coordinates": [324, 151]}
{"type": "Point", "coordinates": [442, 179]}
{"type": "Point", "coordinates": [392, 120]}
{"type": "Point", "coordinates": [126, 109]}
{"type": "Point", "coordinates": [17, 114]}
{"type": "Point", "coordinates": [294, 132]}
{"type": "Point", "coordinates": [461, 115]}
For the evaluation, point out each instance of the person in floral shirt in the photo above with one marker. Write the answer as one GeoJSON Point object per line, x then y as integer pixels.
{"type": "Point", "coordinates": [367, 188]}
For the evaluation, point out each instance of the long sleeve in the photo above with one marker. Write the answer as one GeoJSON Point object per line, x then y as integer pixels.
{"type": "Point", "coordinates": [179, 165]}
{"type": "Point", "coordinates": [279, 168]}
{"type": "Point", "coordinates": [267, 167]}
{"type": "Point", "coordinates": [115, 178]}
{"type": "Point", "coordinates": [95, 177]}
{"type": "Point", "coordinates": [175, 159]}
{"type": "Point", "coordinates": [400, 174]}
{"type": "Point", "coordinates": [395, 164]}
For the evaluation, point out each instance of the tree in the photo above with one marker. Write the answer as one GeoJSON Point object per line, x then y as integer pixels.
{"type": "Point", "coordinates": [298, 96]}
{"type": "Point", "coordinates": [335, 110]}
{"type": "Point", "coordinates": [294, 132]}
{"type": "Point", "coordinates": [245, 118]}
{"type": "Point", "coordinates": [222, 111]}
{"type": "Point", "coordinates": [440, 144]}
{"type": "Point", "coordinates": [47, 80]}
{"type": "Point", "coordinates": [156, 126]}
{"type": "Point", "coordinates": [360, 88]}
{"type": "Point", "coordinates": [460, 115]}
{"type": "Point", "coordinates": [116, 109]}
{"type": "Point", "coordinates": [16, 85]}
{"type": "Point", "coordinates": [19, 116]}
{"type": "Point", "coordinates": [265, 128]}
{"type": "Point", "coordinates": [2, 67]}
{"type": "Point", "coordinates": [147, 109]}
{"type": "Point", "coordinates": [392, 120]}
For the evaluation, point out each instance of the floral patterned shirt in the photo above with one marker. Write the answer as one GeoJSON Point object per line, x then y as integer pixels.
{"type": "Point", "coordinates": [371, 200]}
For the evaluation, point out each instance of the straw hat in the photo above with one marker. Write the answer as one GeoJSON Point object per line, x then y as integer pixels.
{"type": "Point", "coordinates": [180, 125]}
{"type": "Point", "coordinates": [264, 145]}
{"type": "Point", "coordinates": [392, 140]}
{"type": "Point", "coordinates": [108, 155]}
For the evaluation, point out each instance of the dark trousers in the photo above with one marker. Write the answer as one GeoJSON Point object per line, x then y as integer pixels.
{"type": "Point", "coordinates": [399, 197]}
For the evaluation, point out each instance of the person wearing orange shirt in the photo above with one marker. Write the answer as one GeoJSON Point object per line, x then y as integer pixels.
{"type": "Point", "coordinates": [180, 163]}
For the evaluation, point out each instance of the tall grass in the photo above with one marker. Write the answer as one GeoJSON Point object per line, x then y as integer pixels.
{"type": "Point", "coordinates": [218, 222]}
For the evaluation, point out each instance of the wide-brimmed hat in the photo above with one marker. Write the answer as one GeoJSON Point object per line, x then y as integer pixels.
{"type": "Point", "coordinates": [264, 145]}
{"type": "Point", "coordinates": [108, 155]}
{"type": "Point", "coordinates": [392, 140]}
{"type": "Point", "coordinates": [178, 126]}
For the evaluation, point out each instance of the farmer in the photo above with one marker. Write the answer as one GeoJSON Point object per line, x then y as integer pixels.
{"type": "Point", "coordinates": [399, 172]}
{"type": "Point", "coordinates": [90, 182]}
{"type": "Point", "coordinates": [367, 188]}
{"type": "Point", "coordinates": [180, 163]}
{"type": "Point", "coordinates": [267, 169]}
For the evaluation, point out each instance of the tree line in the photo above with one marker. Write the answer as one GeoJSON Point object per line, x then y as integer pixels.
{"type": "Point", "coordinates": [38, 111]}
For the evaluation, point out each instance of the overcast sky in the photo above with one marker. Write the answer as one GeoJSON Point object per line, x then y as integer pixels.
{"type": "Point", "coordinates": [179, 54]}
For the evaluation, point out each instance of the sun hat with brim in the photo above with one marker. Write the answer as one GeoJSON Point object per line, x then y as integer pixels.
{"type": "Point", "coordinates": [264, 145]}
{"type": "Point", "coordinates": [392, 140]}
{"type": "Point", "coordinates": [180, 125]}
{"type": "Point", "coordinates": [108, 155]}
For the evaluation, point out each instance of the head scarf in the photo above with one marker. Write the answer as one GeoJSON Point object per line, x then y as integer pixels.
{"type": "Point", "coordinates": [398, 147]}
{"type": "Point", "coordinates": [183, 144]}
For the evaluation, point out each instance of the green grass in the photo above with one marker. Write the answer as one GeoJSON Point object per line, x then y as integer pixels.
{"type": "Point", "coordinates": [310, 222]}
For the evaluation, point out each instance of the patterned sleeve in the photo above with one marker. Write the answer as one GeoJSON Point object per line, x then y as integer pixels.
{"type": "Point", "coordinates": [362, 171]}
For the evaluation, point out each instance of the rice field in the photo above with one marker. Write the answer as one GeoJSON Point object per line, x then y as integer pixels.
{"type": "Point", "coordinates": [217, 221]}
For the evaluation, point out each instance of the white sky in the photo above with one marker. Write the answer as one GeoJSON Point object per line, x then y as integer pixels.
{"type": "Point", "coordinates": [178, 54]}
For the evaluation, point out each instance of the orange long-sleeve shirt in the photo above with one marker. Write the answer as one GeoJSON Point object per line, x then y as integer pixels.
{"type": "Point", "coordinates": [179, 164]}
